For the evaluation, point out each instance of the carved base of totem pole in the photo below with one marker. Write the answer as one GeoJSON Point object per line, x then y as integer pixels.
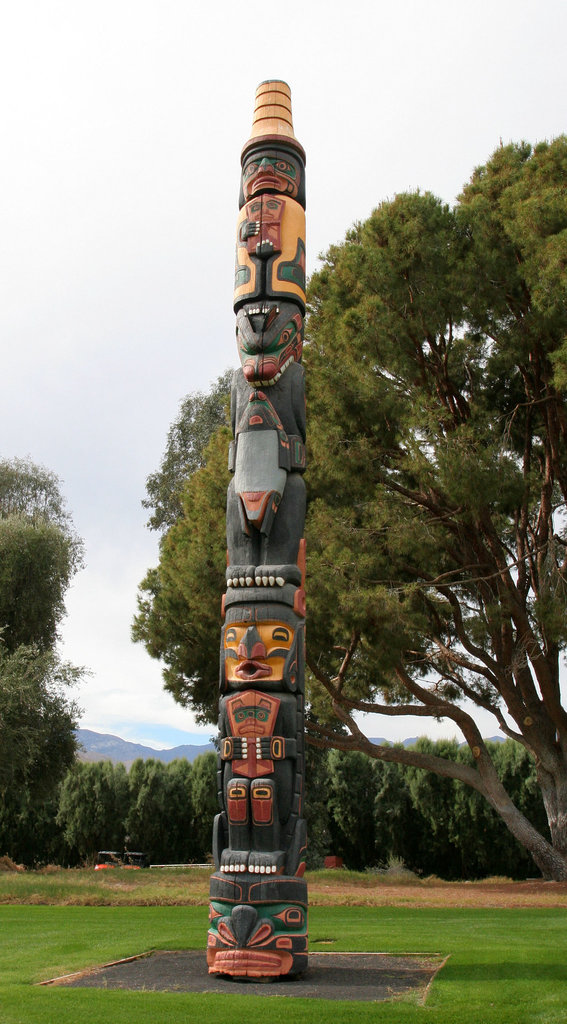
{"type": "Point", "coordinates": [258, 925]}
{"type": "Point", "coordinates": [258, 899]}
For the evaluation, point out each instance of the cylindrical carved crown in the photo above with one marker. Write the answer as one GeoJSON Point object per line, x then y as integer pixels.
{"type": "Point", "coordinates": [272, 117]}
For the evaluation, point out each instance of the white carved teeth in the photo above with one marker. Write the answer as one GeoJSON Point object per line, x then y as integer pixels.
{"type": "Point", "coordinates": [258, 581]}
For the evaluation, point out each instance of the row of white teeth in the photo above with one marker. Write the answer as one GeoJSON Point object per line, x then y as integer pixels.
{"type": "Point", "coordinates": [256, 870]}
{"type": "Point", "coordinates": [273, 380]}
{"type": "Point", "coordinates": [259, 581]}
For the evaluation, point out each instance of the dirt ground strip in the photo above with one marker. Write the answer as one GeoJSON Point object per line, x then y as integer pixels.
{"type": "Point", "coordinates": [348, 976]}
{"type": "Point", "coordinates": [441, 894]}
{"type": "Point", "coordinates": [76, 887]}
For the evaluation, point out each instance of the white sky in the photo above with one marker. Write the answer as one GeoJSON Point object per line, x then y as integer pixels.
{"type": "Point", "coordinates": [121, 129]}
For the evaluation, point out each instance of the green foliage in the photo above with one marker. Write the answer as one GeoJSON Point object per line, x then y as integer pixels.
{"type": "Point", "coordinates": [37, 746]}
{"type": "Point", "coordinates": [447, 828]}
{"type": "Point", "coordinates": [92, 806]}
{"type": "Point", "coordinates": [350, 802]}
{"type": "Point", "coordinates": [29, 832]}
{"type": "Point", "coordinates": [436, 540]}
{"type": "Point", "coordinates": [39, 554]}
{"type": "Point", "coordinates": [380, 812]}
{"type": "Point", "coordinates": [204, 787]}
{"type": "Point", "coordinates": [316, 807]}
{"type": "Point", "coordinates": [150, 809]}
{"type": "Point", "coordinates": [179, 600]}
{"type": "Point", "coordinates": [32, 491]}
{"type": "Point", "coordinates": [179, 610]}
{"type": "Point", "coordinates": [438, 480]}
{"type": "Point", "coordinates": [160, 817]}
{"type": "Point", "coordinates": [199, 417]}
{"type": "Point", "coordinates": [35, 572]}
{"type": "Point", "coordinates": [421, 401]}
{"type": "Point", "coordinates": [36, 719]}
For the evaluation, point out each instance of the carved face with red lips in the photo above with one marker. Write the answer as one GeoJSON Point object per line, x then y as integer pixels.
{"type": "Point", "coordinates": [269, 337]}
{"type": "Point", "coordinates": [260, 654]}
{"type": "Point", "coordinates": [256, 652]}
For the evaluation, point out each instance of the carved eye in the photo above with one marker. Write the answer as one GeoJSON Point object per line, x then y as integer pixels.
{"type": "Point", "coordinates": [292, 917]}
{"type": "Point", "coordinates": [250, 169]}
{"type": "Point", "coordinates": [286, 168]}
{"type": "Point", "coordinates": [230, 636]}
{"type": "Point", "coordinates": [280, 633]}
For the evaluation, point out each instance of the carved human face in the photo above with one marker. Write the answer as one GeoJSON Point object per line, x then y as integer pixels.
{"type": "Point", "coordinates": [269, 337]}
{"type": "Point", "coordinates": [261, 654]}
{"type": "Point", "coordinates": [271, 170]}
{"type": "Point", "coordinates": [254, 652]}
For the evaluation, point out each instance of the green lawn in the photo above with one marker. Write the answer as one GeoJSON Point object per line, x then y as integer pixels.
{"type": "Point", "coordinates": [505, 966]}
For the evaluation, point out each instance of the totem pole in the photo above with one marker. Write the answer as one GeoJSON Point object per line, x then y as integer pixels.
{"type": "Point", "coordinates": [258, 899]}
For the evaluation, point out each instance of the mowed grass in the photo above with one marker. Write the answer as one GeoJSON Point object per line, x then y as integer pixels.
{"type": "Point", "coordinates": [506, 966]}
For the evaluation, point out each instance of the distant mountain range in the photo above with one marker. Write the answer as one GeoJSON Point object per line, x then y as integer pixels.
{"type": "Point", "coordinates": [96, 746]}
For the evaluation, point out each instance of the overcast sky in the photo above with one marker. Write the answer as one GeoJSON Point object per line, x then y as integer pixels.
{"type": "Point", "coordinates": [121, 129]}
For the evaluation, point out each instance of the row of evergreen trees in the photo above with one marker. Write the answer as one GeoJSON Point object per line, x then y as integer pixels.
{"type": "Point", "coordinates": [373, 812]}
{"type": "Point", "coordinates": [165, 810]}
{"type": "Point", "coordinates": [367, 812]}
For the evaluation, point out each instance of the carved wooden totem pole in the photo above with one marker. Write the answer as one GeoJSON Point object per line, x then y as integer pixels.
{"type": "Point", "coordinates": [258, 899]}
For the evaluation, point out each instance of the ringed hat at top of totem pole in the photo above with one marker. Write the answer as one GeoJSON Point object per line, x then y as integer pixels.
{"type": "Point", "coordinates": [272, 121]}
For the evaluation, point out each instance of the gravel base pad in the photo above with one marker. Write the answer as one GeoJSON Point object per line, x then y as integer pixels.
{"type": "Point", "coordinates": [362, 977]}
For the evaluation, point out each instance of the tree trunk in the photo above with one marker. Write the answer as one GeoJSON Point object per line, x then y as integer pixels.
{"type": "Point", "coordinates": [554, 792]}
{"type": "Point", "coordinates": [550, 859]}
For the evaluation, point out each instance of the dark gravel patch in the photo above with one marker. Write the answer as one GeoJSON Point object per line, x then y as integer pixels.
{"type": "Point", "coordinates": [350, 976]}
